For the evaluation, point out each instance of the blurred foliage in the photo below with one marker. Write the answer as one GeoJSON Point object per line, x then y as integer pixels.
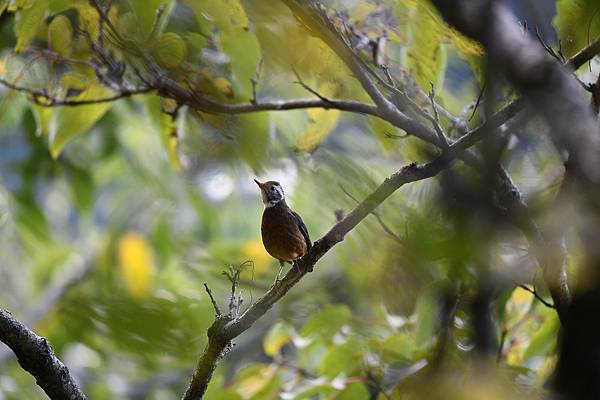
{"type": "Point", "coordinates": [159, 203]}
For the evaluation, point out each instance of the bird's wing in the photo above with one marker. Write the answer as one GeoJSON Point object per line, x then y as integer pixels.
{"type": "Point", "coordinates": [303, 230]}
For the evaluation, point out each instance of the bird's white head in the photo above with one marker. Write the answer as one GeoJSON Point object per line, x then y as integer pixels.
{"type": "Point", "coordinates": [271, 191]}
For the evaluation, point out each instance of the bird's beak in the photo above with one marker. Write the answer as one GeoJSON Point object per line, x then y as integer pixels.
{"type": "Point", "coordinates": [260, 185]}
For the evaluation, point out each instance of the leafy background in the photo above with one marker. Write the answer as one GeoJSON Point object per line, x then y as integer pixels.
{"type": "Point", "coordinates": [150, 216]}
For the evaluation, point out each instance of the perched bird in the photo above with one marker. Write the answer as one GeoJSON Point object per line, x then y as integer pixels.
{"type": "Point", "coordinates": [284, 234]}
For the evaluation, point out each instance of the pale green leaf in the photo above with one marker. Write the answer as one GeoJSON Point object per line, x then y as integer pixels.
{"type": "Point", "coordinates": [42, 116]}
{"type": "Point", "coordinates": [243, 49]}
{"type": "Point", "coordinates": [69, 122]}
{"type": "Point", "coordinates": [3, 5]}
{"type": "Point", "coordinates": [327, 321]}
{"type": "Point", "coordinates": [399, 347]}
{"type": "Point", "coordinates": [252, 133]}
{"type": "Point", "coordinates": [355, 391]}
{"type": "Point", "coordinates": [144, 15]}
{"type": "Point", "coordinates": [543, 340]}
{"type": "Point", "coordinates": [27, 22]}
{"type": "Point", "coordinates": [577, 23]}
{"type": "Point", "coordinates": [426, 57]}
{"type": "Point", "coordinates": [345, 358]}
{"type": "Point", "coordinates": [60, 35]}
{"type": "Point", "coordinates": [169, 50]}
{"type": "Point", "coordinates": [427, 314]}
{"type": "Point", "coordinates": [15, 5]}
{"type": "Point", "coordinates": [226, 14]}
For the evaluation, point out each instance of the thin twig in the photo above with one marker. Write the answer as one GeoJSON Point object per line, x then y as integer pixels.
{"type": "Point", "coordinates": [212, 300]}
{"type": "Point", "coordinates": [42, 98]}
{"type": "Point", "coordinates": [436, 119]}
{"type": "Point", "coordinates": [536, 295]}
{"type": "Point", "coordinates": [255, 80]}
{"type": "Point", "coordinates": [477, 102]}
{"type": "Point", "coordinates": [308, 88]}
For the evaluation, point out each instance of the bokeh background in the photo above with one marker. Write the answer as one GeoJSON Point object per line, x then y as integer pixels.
{"type": "Point", "coordinates": [106, 240]}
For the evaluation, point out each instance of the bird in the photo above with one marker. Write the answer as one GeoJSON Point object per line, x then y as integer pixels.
{"type": "Point", "coordinates": [283, 232]}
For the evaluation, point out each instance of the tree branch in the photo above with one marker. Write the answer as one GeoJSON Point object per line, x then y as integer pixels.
{"type": "Point", "coordinates": [42, 98]}
{"type": "Point", "coordinates": [550, 89]}
{"type": "Point", "coordinates": [37, 357]}
{"type": "Point", "coordinates": [547, 86]}
{"type": "Point", "coordinates": [168, 88]}
{"type": "Point", "coordinates": [58, 288]}
{"type": "Point", "coordinates": [225, 328]}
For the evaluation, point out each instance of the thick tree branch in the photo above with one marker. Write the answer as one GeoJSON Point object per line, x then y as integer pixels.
{"type": "Point", "coordinates": [37, 357]}
{"type": "Point", "coordinates": [58, 288]}
{"type": "Point", "coordinates": [548, 87]}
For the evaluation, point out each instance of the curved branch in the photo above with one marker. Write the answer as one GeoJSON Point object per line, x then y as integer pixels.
{"type": "Point", "coordinates": [37, 357]}
{"type": "Point", "coordinates": [168, 88]}
{"type": "Point", "coordinates": [225, 329]}
{"type": "Point", "coordinates": [42, 98]}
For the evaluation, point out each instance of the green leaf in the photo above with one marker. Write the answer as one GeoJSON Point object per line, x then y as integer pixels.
{"type": "Point", "coordinates": [243, 49]}
{"type": "Point", "coordinates": [312, 390]}
{"type": "Point", "coordinates": [31, 221]}
{"type": "Point", "coordinates": [577, 23]}
{"type": "Point", "coordinates": [161, 240]}
{"type": "Point", "coordinates": [70, 122]}
{"type": "Point", "coordinates": [327, 321]}
{"type": "Point", "coordinates": [82, 187]}
{"type": "Point", "coordinates": [16, 5]}
{"type": "Point", "coordinates": [426, 57]}
{"type": "Point", "coordinates": [346, 358]}
{"type": "Point", "coordinates": [60, 35]}
{"type": "Point", "coordinates": [355, 391]}
{"type": "Point", "coordinates": [226, 14]}
{"type": "Point", "coordinates": [169, 50]}
{"type": "Point", "coordinates": [398, 347]}
{"type": "Point", "coordinates": [427, 314]}
{"type": "Point", "coordinates": [384, 132]}
{"type": "Point", "coordinates": [42, 116]}
{"type": "Point", "coordinates": [27, 22]}
{"type": "Point", "coordinates": [252, 136]}
{"type": "Point", "coordinates": [144, 14]}
{"type": "Point", "coordinates": [543, 340]}
{"type": "Point", "coordinates": [3, 5]}
{"type": "Point", "coordinates": [279, 335]}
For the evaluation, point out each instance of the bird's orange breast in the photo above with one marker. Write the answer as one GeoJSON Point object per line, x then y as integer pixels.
{"type": "Point", "coordinates": [281, 235]}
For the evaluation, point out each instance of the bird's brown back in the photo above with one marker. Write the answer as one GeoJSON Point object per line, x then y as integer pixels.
{"type": "Point", "coordinates": [281, 234]}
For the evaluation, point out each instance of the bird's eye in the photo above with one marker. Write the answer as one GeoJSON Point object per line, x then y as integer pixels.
{"type": "Point", "coordinates": [272, 188]}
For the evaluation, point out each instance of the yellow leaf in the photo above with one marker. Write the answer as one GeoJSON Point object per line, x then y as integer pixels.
{"type": "Point", "coordinates": [170, 50]}
{"type": "Point", "coordinates": [255, 251]}
{"type": "Point", "coordinates": [42, 116]}
{"type": "Point", "coordinates": [170, 140]}
{"type": "Point", "coordinates": [60, 35]}
{"type": "Point", "coordinates": [16, 5]}
{"type": "Point", "coordinates": [88, 18]}
{"type": "Point", "coordinates": [279, 335]}
{"type": "Point", "coordinates": [137, 264]}
{"type": "Point", "coordinates": [321, 124]}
